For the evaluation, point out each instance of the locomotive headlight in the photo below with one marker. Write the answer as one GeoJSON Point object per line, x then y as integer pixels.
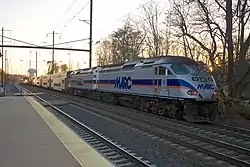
{"type": "Point", "coordinates": [216, 91]}
{"type": "Point", "coordinates": [192, 92]}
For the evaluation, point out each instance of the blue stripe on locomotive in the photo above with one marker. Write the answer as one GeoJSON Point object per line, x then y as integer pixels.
{"type": "Point", "coordinates": [179, 83]}
{"type": "Point", "coordinates": [137, 82]}
{"type": "Point", "coordinates": [172, 83]}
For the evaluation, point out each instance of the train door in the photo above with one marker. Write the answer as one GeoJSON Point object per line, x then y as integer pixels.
{"type": "Point", "coordinates": [95, 79]}
{"type": "Point", "coordinates": [66, 85]}
{"type": "Point", "coordinates": [160, 81]}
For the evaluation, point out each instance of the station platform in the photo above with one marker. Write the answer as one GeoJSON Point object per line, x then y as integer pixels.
{"type": "Point", "coordinates": [30, 136]}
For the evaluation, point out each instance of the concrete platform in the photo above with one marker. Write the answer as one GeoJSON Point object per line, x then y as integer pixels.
{"type": "Point", "coordinates": [30, 136]}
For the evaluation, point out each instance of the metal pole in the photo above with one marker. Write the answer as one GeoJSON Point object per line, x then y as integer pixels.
{"type": "Point", "coordinates": [5, 68]}
{"type": "Point", "coordinates": [7, 71]}
{"type": "Point", "coordinates": [30, 61]}
{"type": "Point", "coordinates": [53, 52]}
{"type": "Point", "coordinates": [36, 63]}
{"type": "Point", "coordinates": [2, 58]}
{"type": "Point", "coordinates": [90, 33]}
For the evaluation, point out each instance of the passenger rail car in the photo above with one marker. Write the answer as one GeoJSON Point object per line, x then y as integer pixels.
{"type": "Point", "coordinates": [37, 81]}
{"type": "Point", "coordinates": [59, 81]}
{"type": "Point", "coordinates": [46, 81]}
{"type": "Point", "coordinates": [173, 86]}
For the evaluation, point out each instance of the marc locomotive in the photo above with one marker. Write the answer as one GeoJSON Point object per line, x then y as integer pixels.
{"type": "Point", "coordinates": [172, 86]}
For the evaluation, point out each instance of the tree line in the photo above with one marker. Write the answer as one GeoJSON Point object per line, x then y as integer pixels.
{"type": "Point", "coordinates": [57, 67]}
{"type": "Point", "coordinates": [216, 32]}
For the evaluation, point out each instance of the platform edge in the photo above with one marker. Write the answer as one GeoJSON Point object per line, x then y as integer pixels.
{"type": "Point", "coordinates": [84, 154]}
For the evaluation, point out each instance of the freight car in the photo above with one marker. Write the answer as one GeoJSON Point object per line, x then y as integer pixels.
{"type": "Point", "coordinates": [173, 86]}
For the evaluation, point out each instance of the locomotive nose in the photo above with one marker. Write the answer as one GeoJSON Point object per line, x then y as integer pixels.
{"type": "Point", "coordinates": [206, 89]}
{"type": "Point", "coordinates": [205, 86]}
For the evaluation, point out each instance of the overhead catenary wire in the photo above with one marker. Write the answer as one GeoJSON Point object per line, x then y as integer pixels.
{"type": "Point", "coordinates": [19, 40]}
{"type": "Point", "coordinates": [124, 16]}
{"type": "Point", "coordinates": [42, 47]}
{"type": "Point", "coordinates": [68, 9]}
{"type": "Point", "coordinates": [78, 40]}
{"type": "Point", "coordinates": [77, 14]}
{"type": "Point", "coordinates": [70, 42]}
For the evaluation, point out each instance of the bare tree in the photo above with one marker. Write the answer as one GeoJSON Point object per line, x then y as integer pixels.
{"type": "Point", "coordinates": [195, 22]}
{"type": "Point", "coordinates": [218, 27]}
{"type": "Point", "coordinates": [124, 44]}
{"type": "Point", "coordinates": [127, 42]}
{"type": "Point", "coordinates": [229, 40]}
{"type": "Point", "coordinates": [151, 23]}
{"type": "Point", "coordinates": [104, 52]}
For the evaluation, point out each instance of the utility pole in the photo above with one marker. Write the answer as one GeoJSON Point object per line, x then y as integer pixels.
{"type": "Point", "coordinates": [69, 54]}
{"type": "Point", "coordinates": [53, 49]}
{"type": "Point", "coordinates": [36, 63]}
{"type": "Point", "coordinates": [53, 53]}
{"type": "Point", "coordinates": [7, 70]}
{"type": "Point", "coordinates": [90, 33]}
{"type": "Point", "coordinates": [2, 57]}
{"type": "Point", "coordinates": [5, 66]}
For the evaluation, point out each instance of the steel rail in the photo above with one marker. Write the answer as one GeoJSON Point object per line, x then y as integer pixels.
{"type": "Point", "coordinates": [127, 154]}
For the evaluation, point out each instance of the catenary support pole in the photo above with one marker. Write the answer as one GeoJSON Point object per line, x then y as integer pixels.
{"type": "Point", "coordinates": [36, 63]}
{"type": "Point", "coordinates": [90, 33]}
{"type": "Point", "coordinates": [53, 52]}
{"type": "Point", "coordinates": [2, 59]}
{"type": "Point", "coordinates": [5, 67]}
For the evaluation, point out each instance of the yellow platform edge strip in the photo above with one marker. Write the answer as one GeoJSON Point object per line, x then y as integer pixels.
{"type": "Point", "coordinates": [80, 150]}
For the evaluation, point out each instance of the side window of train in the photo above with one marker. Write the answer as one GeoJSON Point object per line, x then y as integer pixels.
{"type": "Point", "coordinates": [162, 71]}
{"type": "Point", "coordinates": [62, 81]}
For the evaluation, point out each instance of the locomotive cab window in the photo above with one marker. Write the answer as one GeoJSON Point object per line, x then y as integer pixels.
{"type": "Point", "coordinates": [162, 70]}
{"type": "Point", "coordinates": [168, 72]}
{"type": "Point", "coordinates": [179, 69]}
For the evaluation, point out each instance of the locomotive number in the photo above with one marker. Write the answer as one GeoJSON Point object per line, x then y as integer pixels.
{"type": "Point", "coordinates": [123, 83]}
{"type": "Point", "coordinates": [206, 86]}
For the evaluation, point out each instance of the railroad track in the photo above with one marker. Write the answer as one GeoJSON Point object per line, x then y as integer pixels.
{"type": "Point", "coordinates": [226, 130]}
{"type": "Point", "coordinates": [235, 150]}
{"type": "Point", "coordinates": [118, 155]}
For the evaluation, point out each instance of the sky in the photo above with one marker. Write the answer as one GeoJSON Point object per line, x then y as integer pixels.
{"type": "Point", "coordinates": [32, 20]}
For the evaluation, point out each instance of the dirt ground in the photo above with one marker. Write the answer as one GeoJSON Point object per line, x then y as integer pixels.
{"type": "Point", "coordinates": [237, 116]}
